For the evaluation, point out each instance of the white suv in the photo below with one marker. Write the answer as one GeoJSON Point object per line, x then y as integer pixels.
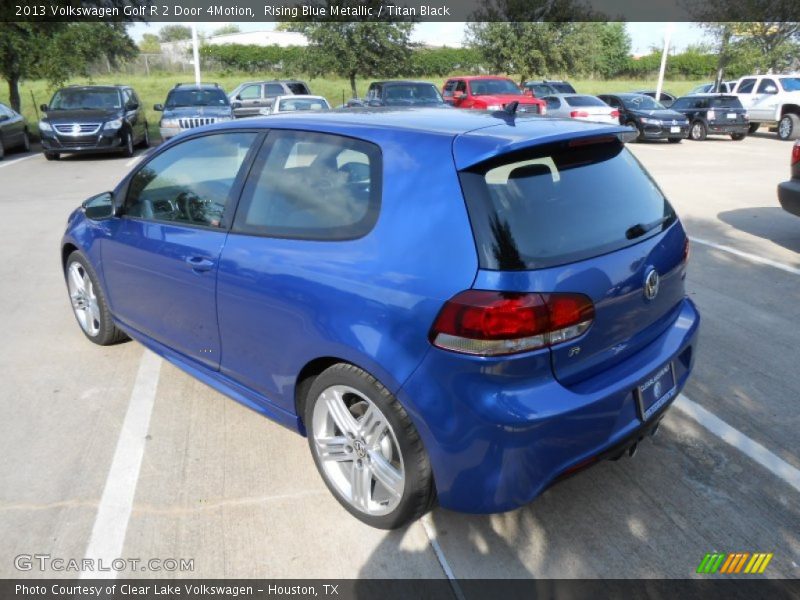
{"type": "Point", "coordinates": [773, 100]}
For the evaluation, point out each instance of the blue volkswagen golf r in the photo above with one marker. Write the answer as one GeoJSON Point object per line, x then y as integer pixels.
{"type": "Point", "coordinates": [459, 307]}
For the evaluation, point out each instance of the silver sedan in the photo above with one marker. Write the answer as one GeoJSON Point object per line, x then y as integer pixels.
{"type": "Point", "coordinates": [296, 102]}
{"type": "Point", "coordinates": [581, 106]}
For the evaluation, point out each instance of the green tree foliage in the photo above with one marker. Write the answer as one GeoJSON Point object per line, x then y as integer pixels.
{"type": "Point", "coordinates": [149, 44]}
{"type": "Point", "coordinates": [175, 33]}
{"type": "Point", "coordinates": [357, 48]}
{"type": "Point", "coordinates": [440, 62]}
{"type": "Point", "coordinates": [57, 51]}
{"type": "Point", "coordinates": [252, 59]}
{"type": "Point", "coordinates": [614, 49]}
{"type": "Point", "coordinates": [226, 29]}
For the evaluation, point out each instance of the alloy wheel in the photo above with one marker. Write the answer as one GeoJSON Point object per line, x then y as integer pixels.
{"type": "Point", "coordinates": [84, 301]}
{"type": "Point", "coordinates": [358, 450]}
{"type": "Point", "coordinates": [785, 128]}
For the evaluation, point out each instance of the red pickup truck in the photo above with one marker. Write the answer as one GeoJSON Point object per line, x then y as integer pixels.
{"type": "Point", "coordinates": [488, 92]}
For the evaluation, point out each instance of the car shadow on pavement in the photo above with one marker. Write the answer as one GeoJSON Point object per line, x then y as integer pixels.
{"type": "Point", "coordinates": [767, 222]}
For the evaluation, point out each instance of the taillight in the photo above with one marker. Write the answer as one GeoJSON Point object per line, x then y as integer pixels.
{"type": "Point", "coordinates": [796, 153]}
{"type": "Point", "coordinates": [615, 114]}
{"type": "Point", "coordinates": [491, 323]}
{"type": "Point", "coordinates": [578, 113]}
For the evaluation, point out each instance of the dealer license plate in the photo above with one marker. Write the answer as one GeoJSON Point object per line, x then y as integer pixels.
{"type": "Point", "coordinates": [732, 116]}
{"type": "Point", "coordinates": [674, 129]}
{"type": "Point", "coordinates": [656, 391]}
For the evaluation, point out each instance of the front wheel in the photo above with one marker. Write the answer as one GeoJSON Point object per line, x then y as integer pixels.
{"type": "Point", "coordinates": [127, 144]}
{"type": "Point", "coordinates": [737, 137]}
{"type": "Point", "coordinates": [26, 142]}
{"type": "Point", "coordinates": [88, 302]}
{"type": "Point", "coordinates": [698, 131]}
{"type": "Point", "coordinates": [52, 155]}
{"type": "Point", "coordinates": [2, 150]}
{"type": "Point", "coordinates": [753, 128]}
{"type": "Point", "coordinates": [789, 127]}
{"type": "Point", "coordinates": [367, 449]}
{"type": "Point", "coordinates": [146, 138]}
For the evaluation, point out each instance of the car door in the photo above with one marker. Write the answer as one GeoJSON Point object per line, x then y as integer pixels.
{"type": "Point", "coordinates": [307, 201]}
{"type": "Point", "coordinates": [251, 98]}
{"type": "Point", "coordinates": [554, 107]}
{"type": "Point", "coordinates": [765, 100]}
{"type": "Point", "coordinates": [746, 92]}
{"type": "Point", "coordinates": [12, 127]}
{"type": "Point", "coordinates": [160, 257]}
{"type": "Point", "coordinates": [272, 91]}
{"type": "Point", "coordinates": [133, 114]}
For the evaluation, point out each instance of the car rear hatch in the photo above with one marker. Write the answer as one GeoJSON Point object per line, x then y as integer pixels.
{"type": "Point", "coordinates": [576, 215]}
{"type": "Point", "coordinates": [726, 110]}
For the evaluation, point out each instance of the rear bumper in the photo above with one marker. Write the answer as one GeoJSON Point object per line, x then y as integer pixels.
{"type": "Point", "coordinates": [497, 437]}
{"type": "Point", "coordinates": [727, 129]}
{"type": "Point", "coordinates": [789, 196]}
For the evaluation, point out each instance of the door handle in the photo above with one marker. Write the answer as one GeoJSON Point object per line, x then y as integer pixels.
{"type": "Point", "coordinates": [200, 264]}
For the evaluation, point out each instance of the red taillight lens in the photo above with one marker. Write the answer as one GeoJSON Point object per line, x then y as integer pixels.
{"type": "Point", "coordinates": [615, 114]}
{"type": "Point", "coordinates": [491, 323]}
{"type": "Point", "coordinates": [578, 113]}
{"type": "Point", "coordinates": [796, 153]}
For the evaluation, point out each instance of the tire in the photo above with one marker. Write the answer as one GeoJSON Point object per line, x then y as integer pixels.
{"type": "Point", "coordinates": [738, 137]}
{"type": "Point", "coordinates": [753, 128]}
{"type": "Point", "coordinates": [2, 150]}
{"type": "Point", "coordinates": [145, 143]}
{"type": "Point", "coordinates": [698, 131]}
{"type": "Point", "coordinates": [370, 427]}
{"type": "Point", "coordinates": [789, 127]}
{"type": "Point", "coordinates": [52, 155]}
{"type": "Point", "coordinates": [127, 145]}
{"type": "Point", "coordinates": [675, 140]}
{"type": "Point", "coordinates": [26, 142]}
{"type": "Point", "coordinates": [89, 303]}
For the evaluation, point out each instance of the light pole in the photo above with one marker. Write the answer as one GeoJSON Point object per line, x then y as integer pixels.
{"type": "Point", "coordinates": [663, 68]}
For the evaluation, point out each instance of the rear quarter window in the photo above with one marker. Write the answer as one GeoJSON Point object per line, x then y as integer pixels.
{"type": "Point", "coordinates": [560, 204]}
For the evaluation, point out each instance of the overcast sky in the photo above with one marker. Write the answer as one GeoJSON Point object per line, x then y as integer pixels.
{"type": "Point", "coordinates": [643, 35]}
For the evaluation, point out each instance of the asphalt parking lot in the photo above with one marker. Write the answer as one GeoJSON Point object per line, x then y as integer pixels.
{"type": "Point", "coordinates": [240, 495]}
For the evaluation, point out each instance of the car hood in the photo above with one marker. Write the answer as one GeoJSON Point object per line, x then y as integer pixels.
{"type": "Point", "coordinates": [506, 98]}
{"type": "Point", "coordinates": [663, 115]}
{"type": "Point", "coordinates": [198, 111]}
{"type": "Point", "coordinates": [82, 116]}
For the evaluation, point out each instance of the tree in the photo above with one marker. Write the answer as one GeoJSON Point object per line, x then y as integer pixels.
{"type": "Point", "coordinates": [615, 49]}
{"type": "Point", "coordinates": [175, 33]}
{"type": "Point", "coordinates": [56, 51]}
{"type": "Point", "coordinates": [226, 29]}
{"type": "Point", "coordinates": [357, 48]}
{"type": "Point", "coordinates": [149, 44]}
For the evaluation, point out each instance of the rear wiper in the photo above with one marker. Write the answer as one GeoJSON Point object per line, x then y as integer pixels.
{"type": "Point", "coordinates": [641, 229]}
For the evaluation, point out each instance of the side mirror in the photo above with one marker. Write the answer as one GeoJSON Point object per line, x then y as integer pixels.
{"type": "Point", "coordinates": [158, 107]}
{"type": "Point", "coordinates": [133, 106]}
{"type": "Point", "coordinates": [238, 97]}
{"type": "Point", "coordinates": [43, 107]}
{"type": "Point", "coordinates": [235, 105]}
{"type": "Point", "coordinates": [99, 207]}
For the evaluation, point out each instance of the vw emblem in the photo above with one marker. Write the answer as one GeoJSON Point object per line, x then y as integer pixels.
{"type": "Point", "coordinates": [76, 129]}
{"type": "Point", "coordinates": [674, 122]}
{"type": "Point", "coordinates": [651, 285]}
{"type": "Point", "coordinates": [360, 448]}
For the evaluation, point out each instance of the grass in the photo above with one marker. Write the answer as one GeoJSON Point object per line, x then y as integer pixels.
{"type": "Point", "coordinates": [153, 89]}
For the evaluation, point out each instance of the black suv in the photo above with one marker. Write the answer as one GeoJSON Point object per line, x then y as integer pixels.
{"type": "Point", "coordinates": [713, 114]}
{"type": "Point", "coordinates": [191, 105]}
{"type": "Point", "coordinates": [401, 93]}
{"type": "Point", "coordinates": [93, 118]}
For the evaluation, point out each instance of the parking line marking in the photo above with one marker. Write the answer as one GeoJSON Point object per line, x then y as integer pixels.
{"type": "Point", "coordinates": [748, 256]}
{"type": "Point", "coordinates": [430, 532]}
{"type": "Point", "coordinates": [17, 160]}
{"type": "Point", "coordinates": [773, 463]}
{"type": "Point", "coordinates": [116, 503]}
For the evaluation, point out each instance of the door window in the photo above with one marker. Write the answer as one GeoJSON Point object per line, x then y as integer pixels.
{"type": "Point", "coordinates": [448, 89]}
{"type": "Point", "coordinates": [250, 92]}
{"type": "Point", "coordinates": [746, 87]}
{"type": "Point", "coordinates": [273, 89]}
{"type": "Point", "coordinates": [767, 86]}
{"type": "Point", "coordinates": [190, 183]}
{"type": "Point", "coordinates": [312, 186]}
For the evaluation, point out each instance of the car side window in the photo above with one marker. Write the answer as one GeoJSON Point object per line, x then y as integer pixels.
{"type": "Point", "coordinates": [308, 185]}
{"type": "Point", "coordinates": [273, 89]}
{"type": "Point", "coordinates": [767, 86]}
{"type": "Point", "coordinates": [461, 86]}
{"type": "Point", "coordinates": [746, 87]}
{"type": "Point", "coordinates": [613, 102]}
{"type": "Point", "coordinates": [680, 104]}
{"type": "Point", "coordinates": [189, 183]}
{"type": "Point", "coordinates": [449, 87]}
{"type": "Point", "coordinates": [250, 92]}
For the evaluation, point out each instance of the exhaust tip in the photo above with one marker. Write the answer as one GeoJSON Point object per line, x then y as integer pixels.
{"type": "Point", "coordinates": [632, 450]}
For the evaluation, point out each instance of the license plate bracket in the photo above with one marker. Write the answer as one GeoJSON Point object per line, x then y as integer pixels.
{"type": "Point", "coordinates": [656, 391]}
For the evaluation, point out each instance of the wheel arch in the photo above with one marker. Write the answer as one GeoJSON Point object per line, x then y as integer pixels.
{"type": "Point", "coordinates": [790, 109]}
{"type": "Point", "coordinates": [67, 249]}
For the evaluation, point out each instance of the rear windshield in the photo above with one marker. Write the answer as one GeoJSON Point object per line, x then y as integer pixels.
{"type": "Point", "coordinates": [725, 102]}
{"type": "Point", "coordinates": [298, 88]}
{"type": "Point", "coordinates": [560, 204]}
{"type": "Point", "coordinates": [584, 101]}
{"type": "Point", "coordinates": [563, 88]}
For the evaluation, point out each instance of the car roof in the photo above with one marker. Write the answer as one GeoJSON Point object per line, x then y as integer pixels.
{"type": "Point", "coordinates": [477, 77]}
{"type": "Point", "coordinates": [301, 97]}
{"type": "Point", "coordinates": [545, 81]}
{"type": "Point", "coordinates": [624, 94]}
{"type": "Point", "coordinates": [401, 82]}
{"type": "Point", "coordinates": [94, 87]}
{"type": "Point", "coordinates": [197, 86]}
{"type": "Point", "coordinates": [712, 95]}
{"type": "Point", "coordinates": [570, 95]}
{"type": "Point", "coordinates": [482, 134]}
